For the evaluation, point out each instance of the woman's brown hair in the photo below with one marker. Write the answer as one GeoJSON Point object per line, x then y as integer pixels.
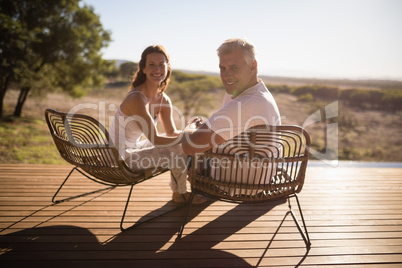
{"type": "Point", "coordinates": [139, 77]}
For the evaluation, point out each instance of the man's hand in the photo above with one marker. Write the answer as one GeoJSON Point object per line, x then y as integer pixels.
{"type": "Point", "coordinates": [199, 140]}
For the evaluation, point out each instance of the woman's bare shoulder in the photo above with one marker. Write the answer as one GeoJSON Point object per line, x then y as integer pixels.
{"type": "Point", "coordinates": [134, 101]}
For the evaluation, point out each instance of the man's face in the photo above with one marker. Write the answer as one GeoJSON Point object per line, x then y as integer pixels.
{"type": "Point", "coordinates": [236, 73]}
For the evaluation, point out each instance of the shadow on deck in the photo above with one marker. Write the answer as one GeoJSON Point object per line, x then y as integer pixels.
{"type": "Point", "coordinates": [354, 217]}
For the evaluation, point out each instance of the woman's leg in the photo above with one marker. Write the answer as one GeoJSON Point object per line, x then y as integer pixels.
{"type": "Point", "coordinates": [173, 158]}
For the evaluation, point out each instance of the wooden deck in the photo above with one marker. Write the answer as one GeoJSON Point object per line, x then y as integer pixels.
{"type": "Point", "coordinates": [353, 215]}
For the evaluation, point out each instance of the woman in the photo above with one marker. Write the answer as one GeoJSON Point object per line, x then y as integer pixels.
{"type": "Point", "coordinates": [137, 115]}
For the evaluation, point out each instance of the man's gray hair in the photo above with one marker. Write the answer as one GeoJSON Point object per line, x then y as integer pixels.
{"type": "Point", "coordinates": [238, 43]}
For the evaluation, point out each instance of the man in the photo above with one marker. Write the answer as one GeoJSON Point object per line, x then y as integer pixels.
{"type": "Point", "coordinates": [247, 102]}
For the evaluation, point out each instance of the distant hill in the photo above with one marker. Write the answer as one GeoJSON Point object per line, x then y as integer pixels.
{"type": "Point", "coordinates": [341, 83]}
{"type": "Point", "coordinates": [293, 81]}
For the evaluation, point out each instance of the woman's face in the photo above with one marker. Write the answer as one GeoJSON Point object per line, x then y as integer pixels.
{"type": "Point", "coordinates": [156, 67]}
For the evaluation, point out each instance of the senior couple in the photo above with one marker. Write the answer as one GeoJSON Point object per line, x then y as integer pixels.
{"type": "Point", "coordinates": [247, 103]}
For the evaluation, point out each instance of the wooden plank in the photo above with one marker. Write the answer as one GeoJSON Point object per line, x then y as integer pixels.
{"type": "Point", "coordinates": [354, 217]}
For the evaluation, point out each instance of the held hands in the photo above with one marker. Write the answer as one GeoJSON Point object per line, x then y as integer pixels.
{"type": "Point", "coordinates": [193, 125]}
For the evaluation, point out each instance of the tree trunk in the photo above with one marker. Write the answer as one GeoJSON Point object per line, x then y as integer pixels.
{"type": "Point", "coordinates": [21, 100]}
{"type": "Point", "coordinates": [2, 94]}
{"type": "Point", "coordinates": [4, 85]}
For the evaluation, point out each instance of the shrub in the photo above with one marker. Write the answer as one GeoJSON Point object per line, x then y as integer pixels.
{"type": "Point", "coordinates": [279, 88]}
{"type": "Point", "coordinates": [306, 98]}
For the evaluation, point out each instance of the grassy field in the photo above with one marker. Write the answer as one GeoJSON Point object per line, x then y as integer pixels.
{"type": "Point", "coordinates": [363, 135]}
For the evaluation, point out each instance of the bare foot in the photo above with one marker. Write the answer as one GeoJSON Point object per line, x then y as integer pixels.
{"type": "Point", "coordinates": [183, 198]}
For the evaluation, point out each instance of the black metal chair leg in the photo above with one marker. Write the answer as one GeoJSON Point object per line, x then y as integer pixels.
{"type": "Point", "coordinates": [304, 223]}
{"type": "Point", "coordinates": [304, 234]}
{"type": "Point", "coordinates": [144, 221]}
{"type": "Point", "coordinates": [190, 201]}
{"type": "Point", "coordinates": [61, 186]}
{"type": "Point", "coordinates": [125, 210]}
{"type": "Point", "coordinates": [76, 196]}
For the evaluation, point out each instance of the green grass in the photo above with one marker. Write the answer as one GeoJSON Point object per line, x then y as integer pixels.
{"type": "Point", "coordinates": [27, 140]}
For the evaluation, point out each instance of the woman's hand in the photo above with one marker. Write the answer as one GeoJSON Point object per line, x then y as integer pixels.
{"type": "Point", "coordinates": [194, 124]}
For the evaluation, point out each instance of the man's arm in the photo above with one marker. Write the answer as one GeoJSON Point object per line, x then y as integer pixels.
{"type": "Point", "coordinates": [201, 140]}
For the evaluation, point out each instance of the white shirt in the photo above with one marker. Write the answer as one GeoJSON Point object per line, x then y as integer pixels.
{"type": "Point", "coordinates": [254, 106]}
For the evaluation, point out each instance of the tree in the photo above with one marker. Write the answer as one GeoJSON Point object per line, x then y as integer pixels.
{"type": "Point", "coordinates": [193, 92]}
{"type": "Point", "coordinates": [49, 45]}
{"type": "Point", "coordinates": [127, 70]}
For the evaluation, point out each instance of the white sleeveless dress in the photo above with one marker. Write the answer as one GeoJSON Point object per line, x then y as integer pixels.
{"type": "Point", "coordinates": [142, 154]}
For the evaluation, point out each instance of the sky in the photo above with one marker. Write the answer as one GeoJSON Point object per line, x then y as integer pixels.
{"type": "Point", "coordinates": [353, 39]}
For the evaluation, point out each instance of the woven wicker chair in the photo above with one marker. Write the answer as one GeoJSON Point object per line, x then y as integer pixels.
{"type": "Point", "coordinates": [84, 142]}
{"type": "Point", "coordinates": [261, 164]}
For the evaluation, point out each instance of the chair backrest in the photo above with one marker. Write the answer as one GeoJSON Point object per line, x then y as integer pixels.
{"type": "Point", "coordinates": [262, 163]}
{"type": "Point", "coordinates": [84, 142]}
